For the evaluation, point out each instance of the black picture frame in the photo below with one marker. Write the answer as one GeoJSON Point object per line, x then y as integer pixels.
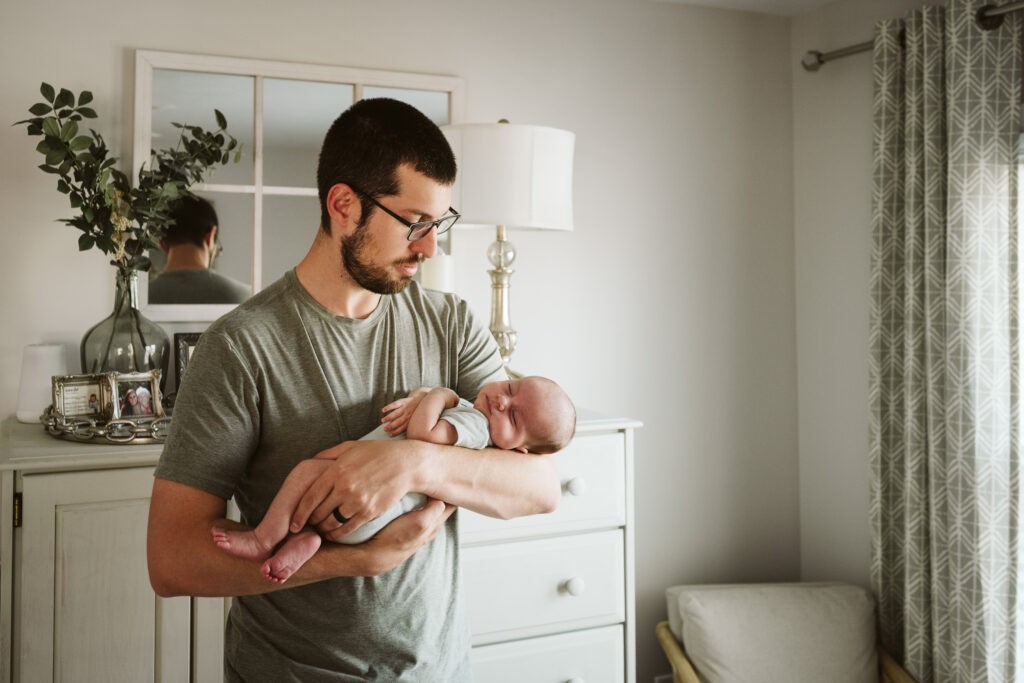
{"type": "Point", "coordinates": [184, 344]}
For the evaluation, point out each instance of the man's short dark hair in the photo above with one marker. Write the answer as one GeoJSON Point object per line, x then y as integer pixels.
{"type": "Point", "coordinates": [370, 140]}
{"type": "Point", "coordinates": [193, 217]}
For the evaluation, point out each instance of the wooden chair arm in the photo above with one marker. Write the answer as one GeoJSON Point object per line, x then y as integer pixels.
{"type": "Point", "coordinates": [890, 671]}
{"type": "Point", "coordinates": [681, 666]}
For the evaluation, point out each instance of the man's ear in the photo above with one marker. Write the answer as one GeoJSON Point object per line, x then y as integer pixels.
{"type": "Point", "coordinates": [211, 236]}
{"type": "Point", "coordinates": [344, 208]}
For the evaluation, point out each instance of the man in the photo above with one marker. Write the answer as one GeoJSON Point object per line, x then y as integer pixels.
{"type": "Point", "coordinates": [191, 246]}
{"type": "Point", "coordinates": [300, 370]}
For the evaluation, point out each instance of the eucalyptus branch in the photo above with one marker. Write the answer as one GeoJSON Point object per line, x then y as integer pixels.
{"type": "Point", "coordinates": [122, 221]}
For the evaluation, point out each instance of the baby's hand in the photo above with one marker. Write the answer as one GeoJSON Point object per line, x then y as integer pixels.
{"type": "Point", "coordinates": [397, 413]}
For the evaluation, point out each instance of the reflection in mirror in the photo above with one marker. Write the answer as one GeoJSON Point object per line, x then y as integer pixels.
{"type": "Point", "coordinates": [189, 97]}
{"type": "Point", "coordinates": [289, 226]}
{"type": "Point", "coordinates": [279, 111]}
{"type": "Point", "coordinates": [292, 134]}
{"type": "Point", "coordinates": [234, 248]}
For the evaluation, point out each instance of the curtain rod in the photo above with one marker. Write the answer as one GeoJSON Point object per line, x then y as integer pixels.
{"type": "Point", "coordinates": [988, 17]}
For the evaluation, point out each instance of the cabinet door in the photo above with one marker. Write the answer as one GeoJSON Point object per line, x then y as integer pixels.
{"type": "Point", "coordinates": [84, 608]}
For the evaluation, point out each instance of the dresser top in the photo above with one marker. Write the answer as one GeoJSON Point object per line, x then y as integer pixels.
{"type": "Point", "coordinates": [26, 447]}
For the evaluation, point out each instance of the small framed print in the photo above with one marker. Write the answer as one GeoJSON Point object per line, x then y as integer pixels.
{"type": "Point", "coordinates": [84, 396]}
{"type": "Point", "coordinates": [137, 395]}
{"type": "Point", "coordinates": [184, 344]}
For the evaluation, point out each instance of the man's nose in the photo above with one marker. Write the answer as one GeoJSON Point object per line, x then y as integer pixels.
{"type": "Point", "coordinates": [426, 245]}
{"type": "Point", "coordinates": [502, 402]}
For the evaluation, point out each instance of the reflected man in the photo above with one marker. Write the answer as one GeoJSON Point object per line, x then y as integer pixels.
{"type": "Point", "coordinates": [191, 246]}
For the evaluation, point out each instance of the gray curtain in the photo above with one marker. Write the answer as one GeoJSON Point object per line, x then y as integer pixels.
{"type": "Point", "coordinates": [945, 371]}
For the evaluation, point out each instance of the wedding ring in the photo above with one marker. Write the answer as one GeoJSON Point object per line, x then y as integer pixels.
{"type": "Point", "coordinates": [338, 516]}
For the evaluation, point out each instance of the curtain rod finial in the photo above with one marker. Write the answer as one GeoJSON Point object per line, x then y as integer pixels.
{"type": "Point", "coordinates": [812, 60]}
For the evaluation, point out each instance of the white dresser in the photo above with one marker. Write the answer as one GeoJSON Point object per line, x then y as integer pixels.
{"type": "Point", "coordinates": [550, 597]}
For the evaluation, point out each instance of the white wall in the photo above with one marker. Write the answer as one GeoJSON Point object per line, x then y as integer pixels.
{"type": "Point", "coordinates": [832, 181]}
{"type": "Point", "coordinates": [672, 302]}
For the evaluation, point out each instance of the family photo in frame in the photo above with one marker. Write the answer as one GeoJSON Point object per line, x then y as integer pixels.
{"type": "Point", "coordinates": [108, 396]}
{"type": "Point", "coordinates": [138, 395]}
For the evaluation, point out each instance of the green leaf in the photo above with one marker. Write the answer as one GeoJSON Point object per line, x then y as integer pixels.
{"type": "Point", "coordinates": [63, 187]}
{"type": "Point", "coordinates": [83, 142]}
{"type": "Point", "coordinates": [221, 121]}
{"type": "Point", "coordinates": [48, 169]}
{"type": "Point", "coordinates": [68, 131]}
{"type": "Point", "coordinates": [85, 97]}
{"type": "Point", "coordinates": [47, 90]}
{"type": "Point", "coordinates": [51, 127]}
{"type": "Point", "coordinates": [65, 98]}
{"type": "Point", "coordinates": [87, 112]}
{"type": "Point", "coordinates": [54, 157]}
{"type": "Point", "coordinates": [40, 108]}
{"type": "Point", "coordinates": [85, 242]}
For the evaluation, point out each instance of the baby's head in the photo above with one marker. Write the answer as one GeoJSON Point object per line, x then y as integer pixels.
{"type": "Point", "coordinates": [531, 415]}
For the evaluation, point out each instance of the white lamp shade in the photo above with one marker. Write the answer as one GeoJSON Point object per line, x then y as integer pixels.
{"type": "Point", "coordinates": [519, 176]}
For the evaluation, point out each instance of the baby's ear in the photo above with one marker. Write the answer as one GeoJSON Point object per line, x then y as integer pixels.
{"type": "Point", "coordinates": [521, 449]}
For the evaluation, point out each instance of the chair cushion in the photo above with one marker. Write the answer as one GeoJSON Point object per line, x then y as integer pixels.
{"type": "Point", "coordinates": [761, 633]}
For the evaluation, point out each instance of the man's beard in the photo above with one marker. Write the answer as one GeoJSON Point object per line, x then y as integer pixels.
{"type": "Point", "coordinates": [371, 278]}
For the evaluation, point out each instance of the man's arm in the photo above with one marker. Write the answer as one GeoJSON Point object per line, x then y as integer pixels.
{"type": "Point", "coordinates": [368, 477]}
{"type": "Point", "coordinates": [180, 519]}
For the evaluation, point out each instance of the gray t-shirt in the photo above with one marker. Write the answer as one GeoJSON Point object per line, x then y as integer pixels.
{"type": "Point", "coordinates": [197, 286]}
{"type": "Point", "coordinates": [277, 381]}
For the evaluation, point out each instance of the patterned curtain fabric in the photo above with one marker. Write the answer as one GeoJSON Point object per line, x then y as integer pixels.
{"type": "Point", "coordinates": [945, 370]}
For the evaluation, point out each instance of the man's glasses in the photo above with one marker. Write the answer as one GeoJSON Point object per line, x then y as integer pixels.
{"type": "Point", "coordinates": [419, 229]}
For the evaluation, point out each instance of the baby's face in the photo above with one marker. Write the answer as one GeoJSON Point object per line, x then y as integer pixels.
{"type": "Point", "coordinates": [510, 407]}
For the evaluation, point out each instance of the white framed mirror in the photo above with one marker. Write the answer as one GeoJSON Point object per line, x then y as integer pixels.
{"type": "Point", "coordinates": [279, 111]}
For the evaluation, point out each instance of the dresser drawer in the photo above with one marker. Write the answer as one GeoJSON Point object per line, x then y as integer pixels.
{"type": "Point", "coordinates": [528, 588]}
{"type": "Point", "coordinates": [592, 656]}
{"type": "Point", "coordinates": [593, 474]}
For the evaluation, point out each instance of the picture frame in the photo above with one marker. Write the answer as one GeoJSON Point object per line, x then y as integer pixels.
{"type": "Point", "coordinates": [184, 344]}
{"type": "Point", "coordinates": [84, 397]}
{"type": "Point", "coordinates": [137, 396]}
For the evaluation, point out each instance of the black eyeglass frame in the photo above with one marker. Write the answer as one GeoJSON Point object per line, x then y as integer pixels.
{"type": "Point", "coordinates": [419, 229]}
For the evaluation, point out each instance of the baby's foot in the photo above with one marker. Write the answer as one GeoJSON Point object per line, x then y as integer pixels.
{"type": "Point", "coordinates": [292, 555]}
{"type": "Point", "coordinates": [239, 543]}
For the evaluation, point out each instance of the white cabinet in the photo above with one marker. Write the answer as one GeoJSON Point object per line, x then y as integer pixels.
{"type": "Point", "coordinates": [75, 599]}
{"type": "Point", "coordinates": [550, 597]}
{"type": "Point", "coordinates": [81, 576]}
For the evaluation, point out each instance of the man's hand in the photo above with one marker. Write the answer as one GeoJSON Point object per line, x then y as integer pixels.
{"type": "Point", "coordinates": [400, 539]}
{"type": "Point", "coordinates": [366, 479]}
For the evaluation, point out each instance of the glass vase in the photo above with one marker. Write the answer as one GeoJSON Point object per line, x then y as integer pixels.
{"type": "Point", "coordinates": [125, 341]}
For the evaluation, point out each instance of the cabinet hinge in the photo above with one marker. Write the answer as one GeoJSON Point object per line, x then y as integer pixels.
{"type": "Point", "coordinates": [17, 510]}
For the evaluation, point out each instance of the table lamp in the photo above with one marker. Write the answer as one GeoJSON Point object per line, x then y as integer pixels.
{"type": "Point", "coordinates": [510, 176]}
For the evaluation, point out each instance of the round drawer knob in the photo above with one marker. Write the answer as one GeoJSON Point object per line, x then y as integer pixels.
{"type": "Point", "coordinates": [575, 586]}
{"type": "Point", "coordinates": [577, 486]}
{"type": "Point", "coordinates": [575, 680]}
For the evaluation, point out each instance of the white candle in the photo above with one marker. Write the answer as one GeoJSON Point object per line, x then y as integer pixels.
{"type": "Point", "coordinates": [39, 363]}
{"type": "Point", "coordinates": [438, 273]}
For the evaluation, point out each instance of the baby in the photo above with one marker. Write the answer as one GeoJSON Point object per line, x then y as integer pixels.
{"type": "Point", "coordinates": [529, 415]}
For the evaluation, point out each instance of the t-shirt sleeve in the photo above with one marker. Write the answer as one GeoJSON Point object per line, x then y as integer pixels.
{"type": "Point", "coordinates": [479, 358]}
{"type": "Point", "coordinates": [216, 421]}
